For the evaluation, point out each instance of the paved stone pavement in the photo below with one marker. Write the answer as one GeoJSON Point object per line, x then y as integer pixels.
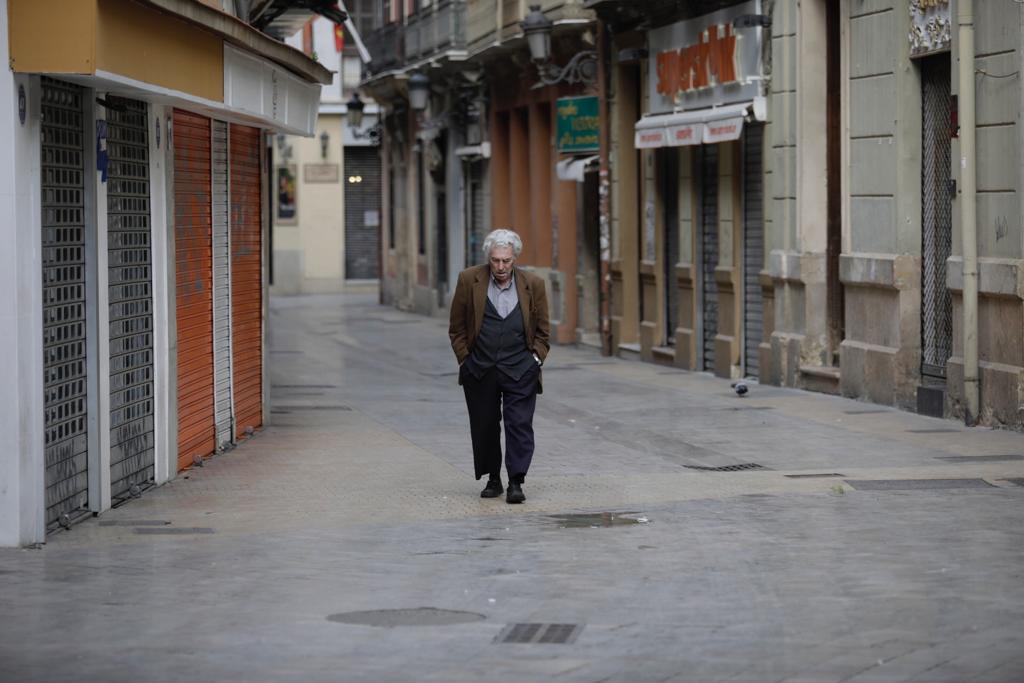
{"type": "Point", "coordinates": [360, 496]}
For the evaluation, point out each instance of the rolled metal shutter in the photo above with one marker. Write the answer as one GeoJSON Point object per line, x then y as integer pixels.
{"type": "Point", "coordinates": [246, 277]}
{"type": "Point", "coordinates": [362, 201]}
{"type": "Point", "coordinates": [709, 252]}
{"type": "Point", "coordinates": [221, 288]}
{"type": "Point", "coordinates": [65, 380]}
{"type": "Point", "coordinates": [130, 287]}
{"type": "Point", "coordinates": [193, 248]}
{"type": "Point", "coordinates": [753, 248]}
{"type": "Point", "coordinates": [477, 222]}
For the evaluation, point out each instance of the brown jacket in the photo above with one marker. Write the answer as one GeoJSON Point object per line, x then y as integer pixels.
{"type": "Point", "coordinates": [470, 299]}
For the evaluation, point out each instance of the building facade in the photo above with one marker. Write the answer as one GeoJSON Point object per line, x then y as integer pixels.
{"type": "Point", "coordinates": [135, 214]}
{"type": "Point", "coordinates": [823, 195]}
{"type": "Point", "coordinates": [823, 248]}
{"type": "Point", "coordinates": [482, 151]}
{"type": "Point", "coordinates": [326, 205]}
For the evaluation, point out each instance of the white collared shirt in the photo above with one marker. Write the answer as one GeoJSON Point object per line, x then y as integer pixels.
{"type": "Point", "coordinates": [504, 299]}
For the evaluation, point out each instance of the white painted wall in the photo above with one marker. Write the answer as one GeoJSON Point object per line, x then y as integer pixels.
{"type": "Point", "coordinates": [22, 502]}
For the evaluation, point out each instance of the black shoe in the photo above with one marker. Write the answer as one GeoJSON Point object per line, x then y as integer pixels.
{"type": "Point", "coordinates": [493, 488]}
{"type": "Point", "coordinates": [515, 493]}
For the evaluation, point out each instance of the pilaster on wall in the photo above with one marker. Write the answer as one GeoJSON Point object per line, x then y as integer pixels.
{"type": "Point", "coordinates": [687, 342]}
{"type": "Point", "coordinates": [728, 273]}
{"type": "Point", "coordinates": [999, 44]}
{"type": "Point", "coordinates": [881, 264]}
{"type": "Point", "coordinates": [625, 275]}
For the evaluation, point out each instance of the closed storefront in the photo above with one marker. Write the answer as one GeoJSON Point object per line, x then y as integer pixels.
{"type": "Point", "coordinates": [130, 285]}
{"type": "Point", "coordinates": [65, 343]}
{"type": "Point", "coordinates": [476, 222]}
{"type": "Point", "coordinates": [362, 213]}
{"type": "Point", "coordinates": [246, 277]}
{"type": "Point", "coordinates": [221, 288]}
{"type": "Point", "coordinates": [194, 268]}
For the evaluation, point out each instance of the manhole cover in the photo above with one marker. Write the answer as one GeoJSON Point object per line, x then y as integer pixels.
{"type": "Point", "coordinates": [597, 520]}
{"type": "Point", "coordinates": [421, 616]}
{"type": "Point", "coordinates": [916, 484]}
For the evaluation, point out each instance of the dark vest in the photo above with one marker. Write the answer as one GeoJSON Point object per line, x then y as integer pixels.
{"type": "Point", "coordinates": [501, 343]}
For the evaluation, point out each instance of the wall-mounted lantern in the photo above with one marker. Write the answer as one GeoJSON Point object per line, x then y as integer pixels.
{"type": "Point", "coordinates": [419, 91]}
{"type": "Point", "coordinates": [325, 141]}
{"type": "Point", "coordinates": [582, 67]}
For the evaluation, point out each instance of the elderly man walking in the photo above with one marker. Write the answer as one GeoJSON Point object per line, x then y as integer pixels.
{"type": "Point", "coordinates": [499, 331]}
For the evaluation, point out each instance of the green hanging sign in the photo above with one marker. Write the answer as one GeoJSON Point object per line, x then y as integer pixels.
{"type": "Point", "coordinates": [578, 124]}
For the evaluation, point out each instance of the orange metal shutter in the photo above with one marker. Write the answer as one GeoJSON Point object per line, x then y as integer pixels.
{"type": "Point", "coordinates": [246, 277]}
{"type": "Point", "coordinates": [193, 235]}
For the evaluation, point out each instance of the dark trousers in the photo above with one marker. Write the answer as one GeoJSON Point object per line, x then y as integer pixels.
{"type": "Point", "coordinates": [491, 398]}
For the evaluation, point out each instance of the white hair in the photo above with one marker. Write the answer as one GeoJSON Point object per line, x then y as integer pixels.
{"type": "Point", "coordinates": [503, 237]}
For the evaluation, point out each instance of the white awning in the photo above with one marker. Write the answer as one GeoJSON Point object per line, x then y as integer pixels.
{"type": "Point", "coordinates": [719, 124]}
{"type": "Point", "coordinates": [573, 168]}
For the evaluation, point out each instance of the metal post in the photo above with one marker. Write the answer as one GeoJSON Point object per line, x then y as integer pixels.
{"type": "Point", "coordinates": [968, 211]}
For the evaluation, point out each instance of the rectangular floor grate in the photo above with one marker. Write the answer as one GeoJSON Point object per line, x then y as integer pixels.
{"type": "Point", "coordinates": [813, 476]}
{"type": "Point", "coordinates": [727, 468]}
{"type": "Point", "coordinates": [545, 634]}
{"type": "Point", "coordinates": [172, 531]}
{"type": "Point", "coordinates": [980, 458]}
{"type": "Point", "coordinates": [916, 484]}
{"type": "Point", "coordinates": [934, 431]}
{"type": "Point", "coordinates": [135, 522]}
{"type": "Point", "coordinates": [867, 412]}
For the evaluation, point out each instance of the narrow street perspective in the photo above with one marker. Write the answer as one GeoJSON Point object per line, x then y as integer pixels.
{"type": "Point", "coordinates": [595, 341]}
{"type": "Point", "coordinates": [674, 531]}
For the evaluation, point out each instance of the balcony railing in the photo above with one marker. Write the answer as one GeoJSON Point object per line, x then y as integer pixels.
{"type": "Point", "coordinates": [387, 48]}
{"type": "Point", "coordinates": [437, 28]}
{"type": "Point", "coordinates": [496, 21]}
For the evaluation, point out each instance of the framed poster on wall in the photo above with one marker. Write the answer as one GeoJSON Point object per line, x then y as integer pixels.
{"type": "Point", "coordinates": [287, 185]}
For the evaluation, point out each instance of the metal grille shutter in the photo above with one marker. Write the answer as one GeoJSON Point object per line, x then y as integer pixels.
{"type": "Point", "coordinates": [937, 217]}
{"type": "Point", "coordinates": [131, 297]}
{"type": "Point", "coordinates": [362, 241]}
{"type": "Point", "coordinates": [753, 248]}
{"type": "Point", "coordinates": [477, 226]}
{"type": "Point", "coordinates": [709, 252]}
{"type": "Point", "coordinates": [246, 277]}
{"type": "Point", "coordinates": [65, 378]}
{"type": "Point", "coordinates": [193, 249]}
{"type": "Point", "coordinates": [221, 287]}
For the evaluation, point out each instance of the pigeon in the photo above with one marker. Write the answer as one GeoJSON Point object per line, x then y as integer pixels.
{"type": "Point", "coordinates": [740, 387]}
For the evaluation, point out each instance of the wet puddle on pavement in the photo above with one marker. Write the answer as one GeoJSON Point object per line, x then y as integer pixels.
{"type": "Point", "coordinates": [597, 520]}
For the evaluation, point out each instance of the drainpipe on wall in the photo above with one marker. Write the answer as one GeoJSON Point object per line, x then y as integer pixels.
{"type": "Point", "coordinates": [968, 204]}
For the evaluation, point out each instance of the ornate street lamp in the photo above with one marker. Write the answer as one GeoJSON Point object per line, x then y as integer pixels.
{"type": "Point", "coordinates": [419, 91]}
{"type": "Point", "coordinates": [582, 67]}
{"type": "Point", "coordinates": [354, 114]}
{"type": "Point", "coordinates": [354, 111]}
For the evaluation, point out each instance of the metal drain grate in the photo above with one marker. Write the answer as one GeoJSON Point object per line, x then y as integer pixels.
{"type": "Point", "coordinates": [980, 458]}
{"type": "Point", "coordinates": [543, 634]}
{"type": "Point", "coordinates": [916, 484]}
{"type": "Point", "coordinates": [727, 468]}
{"type": "Point", "coordinates": [867, 412]}
{"type": "Point", "coordinates": [813, 476]}
{"type": "Point", "coordinates": [172, 531]}
{"type": "Point", "coordinates": [934, 431]}
{"type": "Point", "coordinates": [135, 522]}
